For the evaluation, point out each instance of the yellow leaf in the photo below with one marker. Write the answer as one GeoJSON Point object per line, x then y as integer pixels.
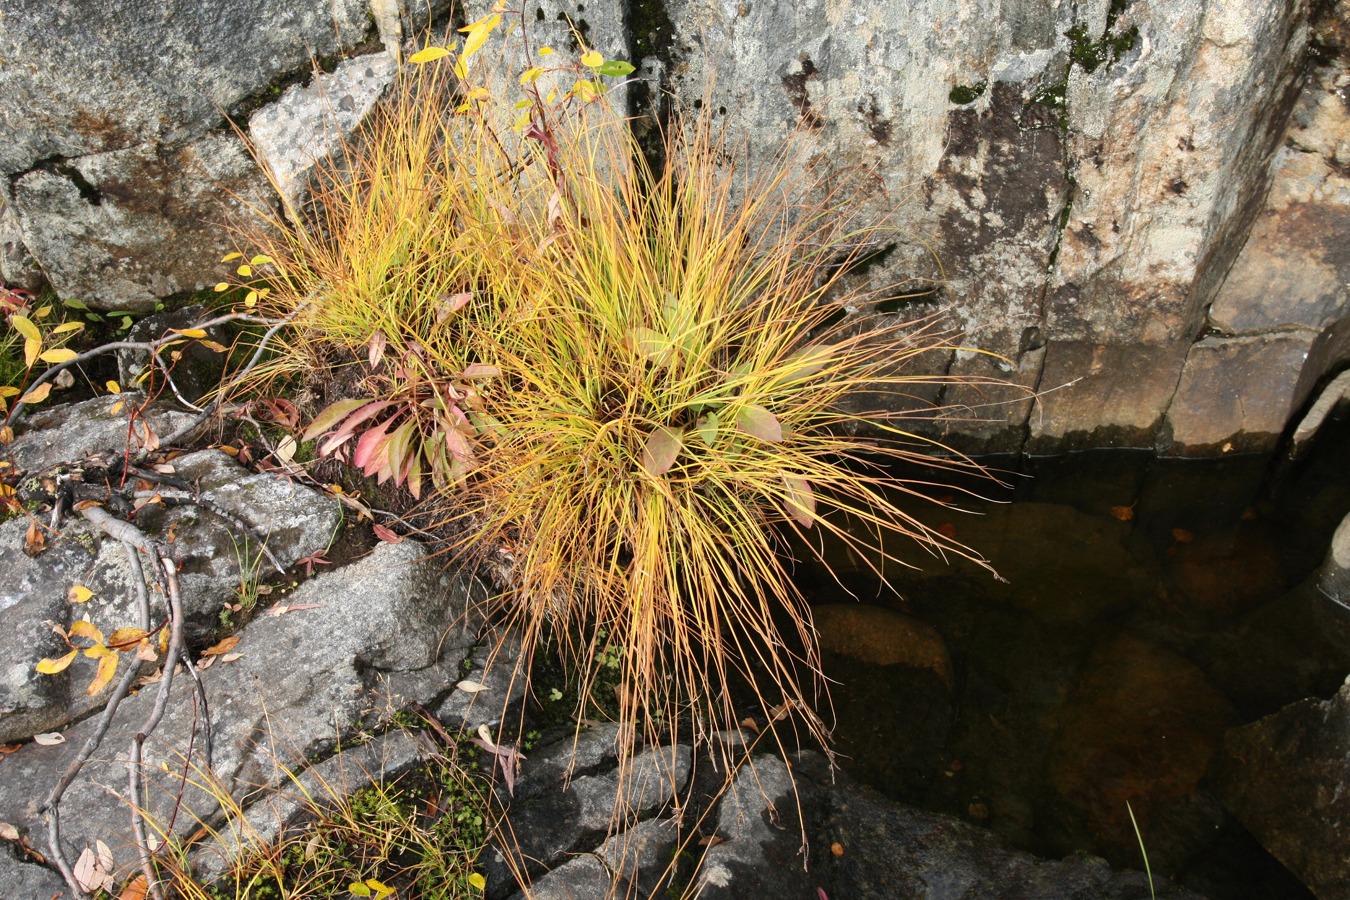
{"type": "Point", "coordinates": [222, 286]}
{"type": "Point", "coordinates": [25, 327]}
{"type": "Point", "coordinates": [79, 594]}
{"type": "Point", "coordinates": [230, 256]}
{"type": "Point", "coordinates": [86, 630]}
{"type": "Point", "coordinates": [98, 651]}
{"type": "Point", "coordinates": [37, 394]}
{"type": "Point", "coordinates": [189, 332]}
{"type": "Point", "coordinates": [31, 349]}
{"type": "Point", "coordinates": [52, 666]}
{"type": "Point", "coordinates": [251, 299]}
{"type": "Point", "coordinates": [461, 68]}
{"type": "Point", "coordinates": [107, 668]}
{"type": "Point", "coordinates": [44, 312]}
{"type": "Point", "coordinates": [427, 54]}
{"type": "Point", "coordinates": [545, 51]}
{"type": "Point", "coordinates": [477, 881]}
{"type": "Point", "coordinates": [8, 390]}
{"type": "Point", "coordinates": [67, 327]}
{"type": "Point", "coordinates": [113, 387]}
{"type": "Point", "coordinates": [593, 59]}
{"type": "Point", "coordinates": [117, 407]}
{"type": "Point", "coordinates": [58, 355]}
{"type": "Point", "coordinates": [126, 638]}
{"type": "Point", "coordinates": [478, 33]}
{"type": "Point", "coordinates": [530, 76]}
{"type": "Point", "coordinates": [244, 271]}
{"type": "Point", "coordinates": [261, 259]}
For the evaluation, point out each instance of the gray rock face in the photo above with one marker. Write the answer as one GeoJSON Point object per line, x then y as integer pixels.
{"type": "Point", "coordinates": [52, 435]}
{"type": "Point", "coordinates": [214, 559]}
{"type": "Point", "coordinates": [1284, 778]}
{"type": "Point", "coordinates": [304, 680]}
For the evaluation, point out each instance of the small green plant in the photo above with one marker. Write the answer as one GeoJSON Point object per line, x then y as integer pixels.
{"type": "Point", "coordinates": [1142, 851]}
{"type": "Point", "coordinates": [417, 837]}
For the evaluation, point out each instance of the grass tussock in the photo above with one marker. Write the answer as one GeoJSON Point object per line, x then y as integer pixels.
{"type": "Point", "coordinates": [626, 387]}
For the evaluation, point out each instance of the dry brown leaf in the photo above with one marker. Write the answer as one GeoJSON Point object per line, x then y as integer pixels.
{"type": "Point", "coordinates": [711, 840]}
{"type": "Point", "coordinates": [86, 504]}
{"type": "Point", "coordinates": [10, 748]}
{"type": "Point", "coordinates": [222, 646]}
{"type": "Point", "coordinates": [750, 723]}
{"type": "Point", "coordinates": [135, 890]}
{"type": "Point", "coordinates": [34, 542]}
{"type": "Point", "coordinates": [1123, 513]}
{"type": "Point", "coordinates": [471, 687]}
{"type": "Point", "coordinates": [8, 832]}
{"type": "Point", "coordinates": [231, 657]}
{"type": "Point", "coordinates": [1182, 536]}
{"type": "Point", "coordinates": [206, 663]}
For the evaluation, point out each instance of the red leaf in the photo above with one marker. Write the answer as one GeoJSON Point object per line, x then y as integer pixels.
{"type": "Point", "coordinates": [388, 536]}
{"type": "Point", "coordinates": [801, 500]}
{"type": "Point", "coordinates": [369, 449]}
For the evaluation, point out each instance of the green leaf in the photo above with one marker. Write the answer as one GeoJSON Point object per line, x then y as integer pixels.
{"type": "Point", "coordinates": [661, 450]}
{"type": "Point", "coordinates": [75, 304]}
{"type": "Point", "coordinates": [358, 889]}
{"type": "Point", "coordinates": [616, 68]}
{"type": "Point", "coordinates": [707, 428]}
{"type": "Point", "coordinates": [758, 421]}
{"type": "Point", "coordinates": [652, 345]}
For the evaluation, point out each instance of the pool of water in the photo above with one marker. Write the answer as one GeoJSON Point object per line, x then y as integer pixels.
{"type": "Point", "coordinates": [1148, 606]}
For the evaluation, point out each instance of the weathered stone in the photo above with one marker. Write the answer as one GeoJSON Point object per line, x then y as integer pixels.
{"type": "Point", "coordinates": [123, 228]}
{"type": "Point", "coordinates": [304, 680]}
{"type": "Point", "coordinates": [891, 851]}
{"type": "Point", "coordinates": [1227, 398]}
{"type": "Point", "coordinates": [1284, 778]}
{"type": "Point", "coordinates": [552, 824]}
{"type": "Point", "coordinates": [131, 76]}
{"type": "Point", "coordinates": [310, 122]}
{"type": "Point", "coordinates": [18, 269]}
{"type": "Point", "coordinates": [1136, 382]}
{"type": "Point", "coordinates": [1137, 701]}
{"type": "Point", "coordinates": [759, 852]}
{"type": "Point", "coordinates": [25, 879]}
{"type": "Point", "coordinates": [494, 666]}
{"type": "Point", "coordinates": [52, 435]}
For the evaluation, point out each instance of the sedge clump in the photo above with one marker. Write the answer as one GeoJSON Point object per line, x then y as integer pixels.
{"type": "Point", "coordinates": [627, 389]}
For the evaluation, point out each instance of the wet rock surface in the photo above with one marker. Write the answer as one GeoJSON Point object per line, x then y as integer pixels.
{"type": "Point", "coordinates": [1285, 778]}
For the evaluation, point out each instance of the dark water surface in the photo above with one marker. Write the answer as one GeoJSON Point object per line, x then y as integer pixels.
{"type": "Point", "coordinates": [1149, 606]}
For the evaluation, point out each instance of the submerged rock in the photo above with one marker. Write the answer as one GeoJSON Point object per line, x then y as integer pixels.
{"type": "Point", "coordinates": [1287, 779]}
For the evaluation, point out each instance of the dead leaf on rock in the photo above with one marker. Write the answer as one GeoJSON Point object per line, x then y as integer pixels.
{"type": "Point", "coordinates": [1123, 513]}
{"type": "Point", "coordinates": [711, 840]}
{"type": "Point", "coordinates": [34, 542]}
{"type": "Point", "coordinates": [281, 609]}
{"type": "Point", "coordinates": [471, 687]}
{"type": "Point", "coordinates": [10, 748]}
{"type": "Point", "coordinates": [231, 657]}
{"type": "Point", "coordinates": [750, 723]}
{"type": "Point", "coordinates": [49, 739]}
{"type": "Point", "coordinates": [136, 890]}
{"type": "Point", "coordinates": [222, 647]}
{"type": "Point", "coordinates": [8, 832]}
{"type": "Point", "coordinates": [90, 872]}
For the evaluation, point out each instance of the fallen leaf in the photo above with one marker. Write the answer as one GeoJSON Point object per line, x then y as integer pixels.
{"type": "Point", "coordinates": [10, 748]}
{"type": "Point", "coordinates": [836, 849]}
{"type": "Point", "coordinates": [231, 657]}
{"type": "Point", "coordinates": [1123, 513]}
{"type": "Point", "coordinates": [135, 890]}
{"type": "Point", "coordinates": [386, 535]}
{"type": "Point", "coordinates": [206, 663]}
{"type": "Point", "coordinates": [90, 873]}
{"type": "Point", "coordinates": [1182, 536]}
{"type": "Point", "coordinates": [34, 542]}
{"type": "Point", "coordinates": [222, 647]}
{"type": "Point", "coordinates": [711, 840]}
{"type": "Point", "coordinates": [53, 666]}
{"type": "Point", "coordinates": [750, 723]}
{"type": "Point", "coordinates": [49, 739]}
{"type": "Point", "coordinates": [8, 832]}
{"type": "Point", "coordinates": [126, 638]}
{"type": "Point", "coordinates": [471, 687]}
{"type": "Point", "coordinates": [78, 594]}
{"type": "Point", "coordinates": [947, 530]}
{"type": "Point", "coordinates": [86, 504]}
{"type": "Point", "coordinates": [105, 857]}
